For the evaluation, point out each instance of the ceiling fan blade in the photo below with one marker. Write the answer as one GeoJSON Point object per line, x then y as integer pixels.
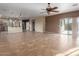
{"type": "Point", "coordinates": [54, 11]}
{"type": "Point", "coordinates": [54, 8]}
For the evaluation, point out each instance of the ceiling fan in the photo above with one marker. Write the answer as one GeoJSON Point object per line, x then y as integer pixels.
{"type": "Point", "coordinates": [50, 9]}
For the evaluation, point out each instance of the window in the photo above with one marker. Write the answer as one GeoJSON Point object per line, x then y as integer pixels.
{"type": "Point", "coordinates": [66, 26]}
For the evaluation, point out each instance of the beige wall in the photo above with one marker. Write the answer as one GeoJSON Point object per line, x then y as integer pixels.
{"type": "Point", "coordinates": [52, 22]}
{"type": "Point", "coordinates": [40, 24]}
{"type": "Point", "coordinates": [74, 27]}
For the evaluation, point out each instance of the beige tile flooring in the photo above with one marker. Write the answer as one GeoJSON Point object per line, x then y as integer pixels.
{"type": "Point", "coordinates": [35, 44]}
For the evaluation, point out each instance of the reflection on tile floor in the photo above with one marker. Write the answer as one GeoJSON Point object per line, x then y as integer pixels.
{"type": "Point", "coordinates": [35, 44]}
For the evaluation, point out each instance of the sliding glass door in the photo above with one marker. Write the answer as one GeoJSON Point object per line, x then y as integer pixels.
{"type": "Point", "coordinates": [66, 26]}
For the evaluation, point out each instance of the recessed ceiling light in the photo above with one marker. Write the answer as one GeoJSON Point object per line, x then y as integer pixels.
{"type": "Point", "coordinates": [75, 4]}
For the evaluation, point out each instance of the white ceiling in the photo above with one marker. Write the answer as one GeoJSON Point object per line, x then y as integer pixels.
{"type": "Point", "coordinates": [33, 9]}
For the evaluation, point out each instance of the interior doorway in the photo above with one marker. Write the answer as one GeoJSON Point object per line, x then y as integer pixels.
{"type": "Point", "coordinates": [28, 25]}
{"type": "Point", "coordinates": [25, 25]}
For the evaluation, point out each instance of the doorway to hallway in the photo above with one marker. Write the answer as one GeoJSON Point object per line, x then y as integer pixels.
{"type": "Point", "coordinates": [28, 25]}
